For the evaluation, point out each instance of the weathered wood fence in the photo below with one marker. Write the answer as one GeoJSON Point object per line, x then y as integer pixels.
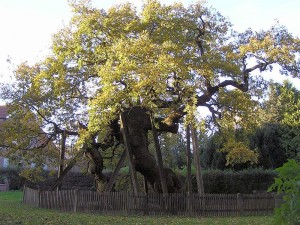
{"type": "Point", "coordinates": [180, 204]}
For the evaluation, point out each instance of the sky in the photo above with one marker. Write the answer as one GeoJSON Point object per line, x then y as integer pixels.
{"type": "Point", "coordinates": [27, 26]}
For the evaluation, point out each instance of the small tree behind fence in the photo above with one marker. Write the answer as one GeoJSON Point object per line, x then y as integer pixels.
{"type": "Point", "coordinates": [180, 204]}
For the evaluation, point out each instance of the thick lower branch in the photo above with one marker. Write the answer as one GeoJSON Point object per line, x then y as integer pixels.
{"type": "Point", "coordinates": [96, 167]}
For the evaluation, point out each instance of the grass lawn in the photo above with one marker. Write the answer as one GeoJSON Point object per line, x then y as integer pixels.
{"type": "Point", "coordinates": [13, 211]}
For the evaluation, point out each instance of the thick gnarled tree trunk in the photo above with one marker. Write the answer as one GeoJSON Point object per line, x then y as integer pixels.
{"type": "Point", "coordinates": [139, 123]}
{"type": "Point", "coordinates": [96, 167]}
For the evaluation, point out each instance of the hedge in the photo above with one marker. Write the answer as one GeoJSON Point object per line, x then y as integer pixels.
{"type": "Point", "coordinates": [244, 181]}
{"type": "Point", "coordinates": [218, 181]}
{"type": "Point", "coordinates": [215, 181]}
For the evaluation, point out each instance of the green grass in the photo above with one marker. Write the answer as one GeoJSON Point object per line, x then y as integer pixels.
{"type": "Point", "coordinates": [13, 211]}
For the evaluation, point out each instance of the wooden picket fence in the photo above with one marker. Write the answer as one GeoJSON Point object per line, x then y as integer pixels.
{"type": "Point", "coordinates": [180, 204]}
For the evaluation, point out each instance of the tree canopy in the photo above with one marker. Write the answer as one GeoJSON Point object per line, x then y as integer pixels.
{"type": "Point", "coordinates": [167, 59]}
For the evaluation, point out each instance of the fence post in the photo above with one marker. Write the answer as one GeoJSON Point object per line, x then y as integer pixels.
{"type": "Point", "coordinates": [39, 197]}
{"type": "Point", "coordinates": [188, 203]}
{"type": "Point", "coordinates": [240, 204]}
{"type": "Point", "coordinates": [145, 211]}
{"type": "Point", "coordinates": [75, 200]}
{"type": "Point", "coordinates": [24, 193]}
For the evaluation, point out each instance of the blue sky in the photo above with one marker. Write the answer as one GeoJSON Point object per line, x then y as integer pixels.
{"type": "Point", "coordinates": [27, 26]}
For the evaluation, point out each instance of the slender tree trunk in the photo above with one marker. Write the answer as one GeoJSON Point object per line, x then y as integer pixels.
{"type": "Point", "coordinates": [113, 177]}
{"type": "Point", "coordinates": [62, 156]}
{"type": "Point", "coordinates": [189, 160]}
{"type": "Point", "coordinates": [159, 158]}
{"type": "Point", "coordinates": [66, 170]}
{"type": "Point", "coordinates": [133, 176]}
{"type": "Point", "coordinates": [197, 162]}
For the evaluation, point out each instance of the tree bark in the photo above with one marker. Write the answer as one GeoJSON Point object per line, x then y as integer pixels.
{"type": "Point", "coordinates": [62, 156]}
{"type": "Point", "coordinates": [96, 167]}
{"type": "Point", "coordinates": [133, 176]}
{"type": "Point", "coordinates": [197, 162]}
{"type": "Point", "coordinates": [114, 175]}
{"type": "Point", "coordinates": [189, 160]}
{"type": "Point", "coordinates": [159, 158]}
{"type": "Point", "coordinates": [139, 123]}
{"type": "Point", "coordinates": [66, 170]}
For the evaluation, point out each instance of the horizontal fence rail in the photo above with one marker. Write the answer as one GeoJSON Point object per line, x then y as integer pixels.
{"type": "Point", "coordinates": [180, 204]}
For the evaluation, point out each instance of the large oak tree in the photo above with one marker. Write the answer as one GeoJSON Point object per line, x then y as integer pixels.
{"type": "Point", "coordinates": [164, 60]}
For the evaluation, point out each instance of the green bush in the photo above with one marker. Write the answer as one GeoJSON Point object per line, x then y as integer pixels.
{"type": "Point", "coordinates": [229, 181]}
{"type": "Point", "coordinates": [71, 181]}
{"type": "Point", "coordinates": [288, 183]}
{"type": "Point", "coordinates": [215, 181]}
